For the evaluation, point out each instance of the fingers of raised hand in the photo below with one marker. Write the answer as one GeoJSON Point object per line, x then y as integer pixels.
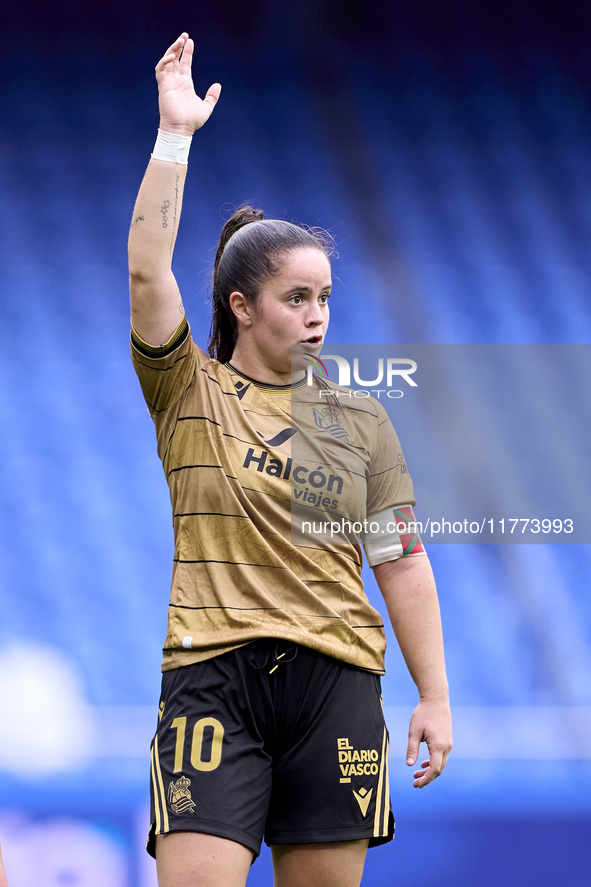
{"type": "Point", "coordinates": [186, 58]}
{"type": "Point", "coordinates": [179, 43]}
{"type": "Point", "coordinates": [173, 53]}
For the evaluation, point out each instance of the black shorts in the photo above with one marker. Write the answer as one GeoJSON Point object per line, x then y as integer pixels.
{"type": "Point", "coordinates": [274, 740]}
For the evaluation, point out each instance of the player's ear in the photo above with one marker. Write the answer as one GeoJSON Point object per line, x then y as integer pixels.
{"type": "Point", "coordinates": [241, 308]}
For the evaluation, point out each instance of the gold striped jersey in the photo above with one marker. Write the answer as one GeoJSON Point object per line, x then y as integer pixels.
{"type": "Point", "coordinates": [239, 456]}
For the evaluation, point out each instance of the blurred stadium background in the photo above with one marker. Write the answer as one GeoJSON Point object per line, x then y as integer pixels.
{"type": "Point", "coordinates": [447, 146]}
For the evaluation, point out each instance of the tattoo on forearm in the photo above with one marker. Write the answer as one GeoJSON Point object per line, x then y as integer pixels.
{"type": "Point", "coordinates": [136, 220]}
{"type": "Point", "coordinates": [174, 215]}
{"type": "Point", "coordinates": [164, 210]}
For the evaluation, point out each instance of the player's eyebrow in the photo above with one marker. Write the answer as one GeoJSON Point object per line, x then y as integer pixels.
{"type": "Point", "coordinates": [306, 289]}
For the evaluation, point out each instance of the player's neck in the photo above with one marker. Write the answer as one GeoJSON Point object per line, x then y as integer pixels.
{"type": "Point", "coordinates": [254, 366]}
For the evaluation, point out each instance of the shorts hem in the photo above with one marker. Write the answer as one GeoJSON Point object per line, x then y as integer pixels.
{"type": "Point", "coordinates": [205, 827]}
{"type": "Point", "coordinates": [331, 836]}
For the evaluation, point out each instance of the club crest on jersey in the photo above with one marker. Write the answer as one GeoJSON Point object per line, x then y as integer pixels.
{"type": "Point", "coordinates": [179, 796]}
{"type": "Point", "coordinates": [328, 420]}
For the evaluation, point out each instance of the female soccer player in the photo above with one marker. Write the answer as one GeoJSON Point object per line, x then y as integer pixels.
{"type": "Point", "coordinates": [270, 720]}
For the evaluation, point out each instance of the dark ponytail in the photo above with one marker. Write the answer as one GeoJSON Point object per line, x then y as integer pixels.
{"type": "Point", "coordinates": [246, 256]}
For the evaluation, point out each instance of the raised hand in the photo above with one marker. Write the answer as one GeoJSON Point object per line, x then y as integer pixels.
{"type": "Point", "coordinates": [181, 110]}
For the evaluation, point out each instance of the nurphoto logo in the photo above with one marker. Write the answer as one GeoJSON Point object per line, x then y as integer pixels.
{"type": "Point", "coordinates": [392, 371]}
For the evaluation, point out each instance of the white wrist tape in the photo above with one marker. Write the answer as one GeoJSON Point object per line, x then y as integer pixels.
{"type": "Point", "coordinates": [172, 148]}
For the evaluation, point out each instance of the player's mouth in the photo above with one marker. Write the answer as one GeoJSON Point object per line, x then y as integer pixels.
{"type": "Point", "coordinates": [313, 340]}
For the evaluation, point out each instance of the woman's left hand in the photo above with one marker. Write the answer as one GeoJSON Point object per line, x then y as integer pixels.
{"type": "Point", "coordinates": [430, 723]}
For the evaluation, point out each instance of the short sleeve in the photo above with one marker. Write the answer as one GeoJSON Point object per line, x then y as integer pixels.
{"type": "Point", "coordinates": [389, 482]}
{"type": "Point", "coordinates": [393, 530]}
{"type": "Point", "coordinates": [166, 371]}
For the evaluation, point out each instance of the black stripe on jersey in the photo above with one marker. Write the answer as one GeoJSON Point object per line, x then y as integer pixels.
{"type": "Point", "coordinates": [184, 467]}
{"type": "Point", "coordinates": [322, 582]}
{"type": "Point", "coordinates": [317, 616]}
{"type": "Point", "coordinates": [162, 369]}
{"type": "Point", "coordinates": [346, 406]}
{"type": "Point", "coordinates": [250, 609]}
{"type": "Point", "coordinates": [213, 422]}
{"type": "Point", "coordinates": [368, 626]}
{"type": "Point", "coordinates": [164, 455]}
{"type": "Point", "coordinates": [309, 547]}
{"type": "Point", "coordinates": [338, 514]}
{"type": "Point", "coordinates": [185, 607]}
{"type": "Point", "coordinates": [249, 443]}
{"type": "Point", "coordinates": [204, 418]}
{"type": "Point", "coordinates": [267, 415]}
{"type": "Point", "coordinates": [335, 553]}
{"type": "Point", "coordinates": [216, 513]}
{"type": "Point", "coordinates": [349, 446]}
{"type": "Point", "coordinates": [230, 477]}
{"type": "Point", "coordinates": [262, 493]}
{"type": "Point", "coordinates": [266, 386]}
{"type": "Point", "coordinates": [344, 470]}
{"type": "Point", "coordinates": [217, 382]}
{"type": "Point", "coordinates": [157, 351]}
{"type": "Point", "coordinates": [385, 471]}
{"type": "Point", "coordinates": [164, 409]}
{"type": "Point", "coordinates": [177, 560]}
{"type": "Point", "coordinates": [358, 410]}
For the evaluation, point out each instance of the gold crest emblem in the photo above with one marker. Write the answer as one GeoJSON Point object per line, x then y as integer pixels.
{"type": "Point", "coordinates": [179, 796]}
{"type": "Point", "coordinates": [329, 420]}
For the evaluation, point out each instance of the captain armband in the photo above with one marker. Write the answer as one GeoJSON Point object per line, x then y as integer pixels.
{"type": "Point", "coordinates": [392, 533]}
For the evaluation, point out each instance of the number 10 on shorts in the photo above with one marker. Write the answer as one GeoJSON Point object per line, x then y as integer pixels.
{"type": "Point", "coordinates": [180, 725]}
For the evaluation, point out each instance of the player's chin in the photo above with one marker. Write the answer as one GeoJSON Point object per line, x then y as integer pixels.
{"type": "Point", "coordinates": [300, 358]}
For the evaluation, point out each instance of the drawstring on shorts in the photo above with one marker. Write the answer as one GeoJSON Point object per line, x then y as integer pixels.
{"type": "Point", "coordinates": [277, 657]}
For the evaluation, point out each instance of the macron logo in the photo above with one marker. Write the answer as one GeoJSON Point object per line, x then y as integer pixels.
{"type": "Point", "coordinates": [280, 438]}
